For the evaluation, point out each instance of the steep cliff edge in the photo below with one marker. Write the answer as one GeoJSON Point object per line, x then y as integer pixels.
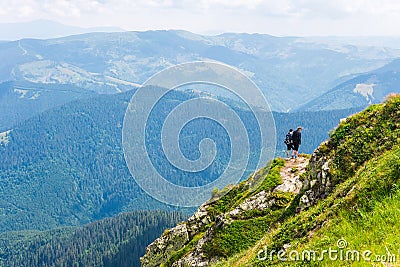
{"type": "Point", "coordinates": [287, 206]}
{"type": "Point", "coordinates": [191, 243]}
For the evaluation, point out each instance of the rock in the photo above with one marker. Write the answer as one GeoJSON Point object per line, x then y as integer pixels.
{"type": "Point", "coordinates": [290, 185]}
{"type": "Point", "coordinates": [199, 220]}
{"type": "Point", "coordinates": [160, 250]}
{"type": "Point", "coordinates": [304, 202]}
{"type": "Point", "coordinates": [260, 201]}
{"type": "Point", "coordinates": [176, 238]}
{"type": "Point", "coordinates": [197, 257]}
{"type": "Point", "coordinates": [291, 180]}
{"type": "Point", "coordinates": [318, 183]}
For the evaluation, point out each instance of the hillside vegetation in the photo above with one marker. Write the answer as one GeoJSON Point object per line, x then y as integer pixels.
{"type": "Point", "coordinates": [349, 202]}
{"type": "Point", "coordinates": [359, 91]}
{"type": "Point", "coordinates": [118, 241]}
{"type": "Point", "coordinates": [20, 100]}
{"type": "Point", "coordinates": [66, 166]}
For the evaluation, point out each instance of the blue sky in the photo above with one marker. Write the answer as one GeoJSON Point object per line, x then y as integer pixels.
{"type": "Point", "coordinates": [277, 17]}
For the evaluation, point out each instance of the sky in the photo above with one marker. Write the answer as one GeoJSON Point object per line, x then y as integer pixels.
{"type": "Point", "coordinates": [276, 17]}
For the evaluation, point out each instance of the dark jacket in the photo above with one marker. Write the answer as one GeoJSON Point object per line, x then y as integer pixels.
{"type": "Point", "coordinates": [296, 137]}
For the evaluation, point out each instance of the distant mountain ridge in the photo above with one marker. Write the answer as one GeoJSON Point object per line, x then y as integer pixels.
{"type": "Point", "coordinates": [360, 91]}
{"type": "Point", "coordinates": [20, 100]}
{"type": "Point", "coordinates": [290, 71]}
{"type": "Point", "coordinates": [45, 29]}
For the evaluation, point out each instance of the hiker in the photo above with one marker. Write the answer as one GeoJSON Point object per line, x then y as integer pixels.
{"type": "Point", "coordinates": [296, 139]}
{"type": "Point", "coordinates": [289, 143]}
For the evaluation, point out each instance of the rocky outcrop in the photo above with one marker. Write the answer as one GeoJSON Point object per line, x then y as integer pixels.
{"type": "Point", "coordinates": [197, 257]}
{"type": "Point", "coordinates": [260, 202]}
{"type": "Point", "coordinates": [200, 219]}
{"type": "Point", "coordinates": [171, 241]}
{"type": "Point", "coordinates": [178, 237]}
{"type": "Point", "coordinates": [318, 182]}
{"type": "Point", "coordinates": [290, 174]}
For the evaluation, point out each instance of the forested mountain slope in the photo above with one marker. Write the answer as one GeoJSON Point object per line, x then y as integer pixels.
{"type": "Point", "coordinates": [66, 166]}
{"type": "Point", "coordinates": [20, 100]}
{"type": "Point", "coordinates": [361, 90]}
{"type": "Point", "coordinates": [118, 241]}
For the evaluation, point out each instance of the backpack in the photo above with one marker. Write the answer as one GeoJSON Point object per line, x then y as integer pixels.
{"type": "Point", "coordinates": [288, 139]}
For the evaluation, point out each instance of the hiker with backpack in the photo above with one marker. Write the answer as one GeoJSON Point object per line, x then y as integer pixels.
{"type": "Point", "coordinates": [296, 139]}
{"type": "Point", "coordinates": [289, 143]}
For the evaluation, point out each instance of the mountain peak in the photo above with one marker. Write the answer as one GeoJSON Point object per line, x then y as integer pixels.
{"type": "Point", "coordinates": [45, 29]}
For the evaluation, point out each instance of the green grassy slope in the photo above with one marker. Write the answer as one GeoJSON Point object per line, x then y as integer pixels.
{"type": "Point", "coordinates": [360, 214]}
{"type": "Point", "coordinates": [349, 202]}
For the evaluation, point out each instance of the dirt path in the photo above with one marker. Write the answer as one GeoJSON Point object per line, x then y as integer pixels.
{"type": "Point", "coordinates": [290, 174]}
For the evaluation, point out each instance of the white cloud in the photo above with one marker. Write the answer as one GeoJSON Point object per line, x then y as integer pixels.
{"type": "Point", "coordinates": [280, 17]}
{"type": "Point", "coordinates": [250, 4]}
{"type": "Point", "coordinates": [25, 11]}
{"type": "Point", "coordinates": [62, 8]}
